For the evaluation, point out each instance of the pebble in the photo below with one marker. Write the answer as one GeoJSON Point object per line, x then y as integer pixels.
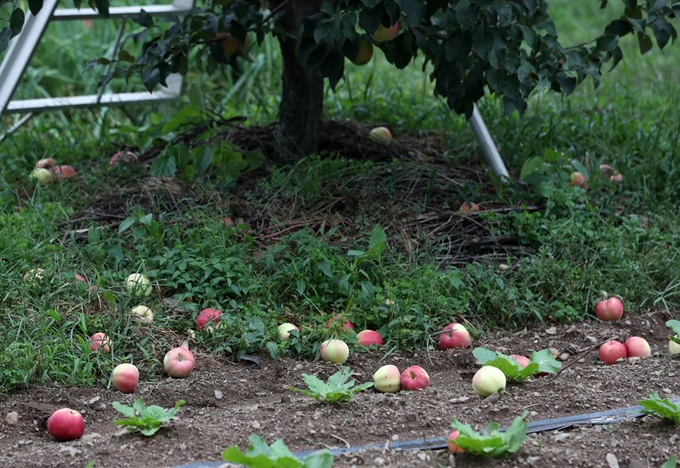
{"type": "Point", "coordinates": [299, 367]}
{"type": "Point", "coordinates": [71, 450]}
{"type": "Point", "coordinates": [256, 424]}
{"type": "Point", "coordinates": [551, 331]}
{"type": "Point", "coordinates": [423, 456]}
{"type": "Point", "coordinates": [612, 460]}
{"type": "Point", "coordinates": [218, 394]}
{"type": "Point", "coordinates": [459, 399]}
{"type": "Point", "coordinates": [93, 435]}
{"type": "Point", "coordinates": [379, 461]}
{"type": "Point", "coordinates": [12, 417]}
{"type": "Point", "coordinates": [667, 390]}
{"type": "Point", "coordinates": [395, 437]}
{"type": "Point", "coordinates": [564, 356]}
{"type": "Point", "coordinates": [561, 437]}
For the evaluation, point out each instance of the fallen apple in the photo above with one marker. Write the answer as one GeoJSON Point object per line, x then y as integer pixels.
{"type": "Point", "coordinates": [207, 315]}
{"type": "Point", "coordinates": [381, 134]}
{"type": "Point", "coordinates": [100, 342]}
{"type": "Point", "coordinates": [578, 180]}
{"type": "Point", "coordinates": [80, 278]}
{"type": "Point", "coordinates": [387, 379]}
{"type": "Point", "coordinates": [127, 157]}
{"type": "Point", "coordinates": [179, 362]}
{"type": "Point", "coordinates": [335, 351]}
{"type": "Point", "coordinates": [606, 169]}
{"type": "Point", "coordinates": [42, 175]}
{"type": "Point", "coordinates": [521, 360]}
{"type": "Point", "coordinates": [453, 448]}
{"type": "Point", "coordinates": [637, 347]}
{"type": "Point", "coordinates": [611, 351]}
{"type": "Point", "coordinates": [414, 378]}
{"type": "Point", "coordinates": [64, 172]}
{"type": "Point", "coordinates": [369, 337]}
{"type": "Point", "coordinates": [125, 378]}
{"type": "Point", "coordinates": [616, 178]}
{"type": "Point", "coordinates": [284, 330]}
{"type": "Point", "coordinates": [489, 380]}
{"type": "Point", "coordinates": [138, 285]}
{"type": "Point", "coordinates": [454, 335]}
{"type": "Point", "coordinates": [384, 34]}
{"type": "Point", "coordinates": [66, 424]}
{"type": "Point", "coordinates": [142, 314]}
{"type": "Point", "coordinates": [610, 309]}
{"type": "Point", "coordinates": [45, 163]}
{"type": "Point", "coordinates": [673, 347]}
{"type": "Point", "coordinates": [467, 207]}
{"type": "Point", "coordinates": [364, 54]}
{"type": "Point", "coordinates": [331, 322]}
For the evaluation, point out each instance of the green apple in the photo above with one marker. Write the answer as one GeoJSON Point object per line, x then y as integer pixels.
{"type": "Point", "coordinates": [138, 285]}
{"type": "Point", "coordinates": [489, 380]}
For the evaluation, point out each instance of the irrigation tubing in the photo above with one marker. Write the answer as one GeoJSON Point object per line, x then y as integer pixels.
{"type": "Point", "coordinates": [439, 443]}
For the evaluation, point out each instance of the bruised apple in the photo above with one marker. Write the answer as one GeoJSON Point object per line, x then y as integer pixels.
{"type": "Point", "coordinates": [179, 362]}
{"type": "Point", "coordinates": [387, 379]}
{"type": "Point", "coordinates": [100, 342]}
{"type": "Point", "coordinates": [637, 347]}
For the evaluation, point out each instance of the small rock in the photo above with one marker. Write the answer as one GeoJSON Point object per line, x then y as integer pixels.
{"type": "Point", "coordinates": [627, 322]}
{"type": "Point", "coordinates": [285, 399]}
{"type": "Point", "coordinates": [94, 400]}
{"type": "Point", "coordinates": [673, 439]}
{"type": "Point", "coordinates": [564, 356]}
{"type": "Point", "coordinates": [554, 351]}
{"type": "Point", "coordinates": [71, 450]}
{"type": "Point", "coordinates": [299, 367]}
{"type": "Point", "coordinates": [12, 417]}
{"type": "Point", "coordinates": [561, 437]}
{"type": "Point", "coordinates": [219, 395]}
{"type": "Point", "coordinates": [493, 398]}
{"type": "Point", "coordinates": [182, 446]}
{"type": "Point", "coordinates": [551, 331]}
{"type": "Point", "coordinates": [612, 461]}
{"type": "Point", "coordinates": [532, 460]}
{"type": "Point", "coordinates": [395, 437]}
{"type": "Point", "coordinates": [591, 339]}
{"type": "Point", "coordinates": [462, 399]}
{"type": "Point", "coordinates": [411, 417]}
{"type": "Point", "coordinates": [93, 435]}
{"type": "Point", "coordinates": [667, 390]}
{"type": "Point", "coordinates": [379, 461]}
{"type": "Point", "coordinates": [121, 433]}
{"type": "Point", "coordinates": [256, 424]}
{"type": "Point", "coordinates": [423, 456]}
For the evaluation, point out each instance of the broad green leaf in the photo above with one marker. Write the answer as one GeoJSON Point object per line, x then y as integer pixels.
{"type": "Point", "coordinates": [671, 462]}
{"type": "Point", "coordinates": [126, 410]}
{"type": "Point", "coordinates": [530, 166]}
{"type": "Point", "coordinates": [483, 355]}
{"type": "Point", "coordinates": [546, 362]}
{"type": "Point", "coordinates": [164, 165]}
{"type": "Point", "coordinates": [661, 407]}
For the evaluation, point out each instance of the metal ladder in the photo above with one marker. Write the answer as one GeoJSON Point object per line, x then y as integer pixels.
{"type": "Point", "coordinates": [24, 45]}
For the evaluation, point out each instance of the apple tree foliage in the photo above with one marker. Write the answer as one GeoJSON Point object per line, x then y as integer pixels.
{"type": "Point", "coordinates": [504, 47]}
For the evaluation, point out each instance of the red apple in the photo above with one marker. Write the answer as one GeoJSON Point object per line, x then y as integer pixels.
{"type": "Point", "coordinates": [179, 362]}
{"type": "Point", "coordinates": [387, 379]}
{"type": "Point", "coordinates": [467, 207]}
{"type": "Point", "coordinates": [637, 347]}
{"type": "Point", "coordinates": [66, 424]}
{"type": "Point", "coordinates": [489, 380]}
{"type": "Point", "coordinates": [125, 378]}
{"type": "Point", "coordinates": [127, 157]}
{"type": "Point", "coordinates": [383, 34]}
{"type": "Point", "coordinates": [454, 335]}
{"type": "Point", "coordinates": [578, 179]}
{"type": "Point", "coordinates": [64, 172]}
{"type": "Point", "coordinates": [611, 351]}
{"type": "Point", "coordinates": [609, 309]}
{"type": "Point", "coordinates": [45, 163]}
{"type": "Point", "coordinates": [100, 342]}
{"type": "Point", "coordinates": [207, 315]}
{"type": "Point", "coordinates": [345, 327]}
{"type": "Point", "coordinates": [284, 330]}
{"type": "Point", "coordinates": [335, 351]}
{"type": "Point", "coordinates": [369, 337]}
{"type": "Point", "coordinates": [80, 278]}
{"type": "Point", "coordinates": [381, 134]}
{"type": "Point", "coordinates": [414, 378]}
{"type": "Point", "coordinates": [521, 360]}
{"type": "Point", "coordinates": [453, 448]}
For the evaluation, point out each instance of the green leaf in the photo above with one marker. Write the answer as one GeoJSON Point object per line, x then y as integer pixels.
{"type": "Point", "coordinates": [260, 455]}
{"type": "Point", "coordinates": [338, 389]}
{"type": "Point", "coordinates": [196, 97]}
{"type": "Point", "coordinates": [484, 355]}
{"type": "Point", "coordinates": [530, 166]}
{"type": "Point", "coordinates": [35, 6]}
{"type": "Point", "coordinates": [661, 407]}
{"type": "Point", "coordinates": [126, 224]}
{"type": "Point", "coordinates": [414, 10]}
{"type": "Point", "coordinates": [203, 157]}
{"type": "Point", "coordinates": [126, 410]}
{"type": "Point", "coordinates": [645, 43]}
{"type": "Point", "coordinates": [148, 420]}
{"type": "Point", "coordinates": [672, 462]}
{"type": "Point", "coordinates": [491, 442]}
{"type": "Point", "coordinates": [16, 21]}
{"type": "Point", "coordinates": [164, 165]}
{"type": "Point", "coordinates": [546, 362]}
{"type": "Point", "coordinates": [376, 244]}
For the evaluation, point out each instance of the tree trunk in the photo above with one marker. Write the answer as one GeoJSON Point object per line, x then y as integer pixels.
{"type": "Point", "coordinates": [301, 109]}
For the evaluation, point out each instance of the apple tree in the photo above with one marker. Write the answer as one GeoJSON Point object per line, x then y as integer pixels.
{"type": "Point", "coordinates": [504, 47]}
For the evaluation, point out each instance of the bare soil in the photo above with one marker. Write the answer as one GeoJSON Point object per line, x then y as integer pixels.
{"type": "Point", "coordinates": [227, 401]}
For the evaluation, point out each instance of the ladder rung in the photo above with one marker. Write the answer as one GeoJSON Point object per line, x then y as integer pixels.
{"type": "Point", "coordinates": [68, 14]}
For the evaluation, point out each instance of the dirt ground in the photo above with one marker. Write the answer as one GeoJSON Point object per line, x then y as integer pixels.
{"type": "Point", "coordinates": [227, 401]}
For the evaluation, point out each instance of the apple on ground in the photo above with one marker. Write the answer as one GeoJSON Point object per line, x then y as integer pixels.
{"type": "Point", "coordinates": [179, 362]}
{"type": "Point", "coordinates": [127, 157]}
{"type": "Point", "coordinates": [207, 315]}
{"type": "Point", "coordinates": [381, 134]}
{"type": "Point", "coordinates": [578, 180]}
{"type": "Point", "coordinates": [42, 175]}
{"type": "Point", "coordinates": [80, 278]}
{"type": "Point", "coordinates": [616, 178]}
{"type": "Point", "coordinates": [414, 378]}
{"type": "Point", "coordinates": [611, 351]}
{"type": "Point", "coordinates": [521, 360]}
{"type": "Point", "coordinates": [284, 330]}
{"type": "Point", "coordinates": [138, 285]}
{"type": "Point", "coordinates": [453, 448]}
{"type": "Point", "coordinates": [609, 310]}
{"type": "Point", "coordinates": [64, 172]}
{"type": "Point", "coordinates": [606, 169]}
{"type": "Point", "coordinates": [364, 54]}
{"type": "Point", "coordinates": [384, 34]}
{"type": "Point", "coordinates": [125, 377]}
{"type": "Point", "coordinates": [66, 424]}
{"type": "Point", "coordinates": [454, 335]}
{"type": "Point", "coordinates": [347, 326]}
{"type": "Point", "coordinates": [142, 314]}
{"type": "Point", "coordinates": [637, 347]}
{"type": "Point", "coordinates": [387, 379]}
{"type": "Point", "coordinates": [369, 337]}
{"type": "Point", "coordinates": [489, 380]}
{"type": "Point", "coordinates": [467, 207]}
{"type": "Point", "coordinates": [673, 347]}
{"type": "Point", "coordinates": [335, 351]}
{"type": "Point", "coordinates": [45, 163]}
{"type": "Point", "coordinates": [100, 342]}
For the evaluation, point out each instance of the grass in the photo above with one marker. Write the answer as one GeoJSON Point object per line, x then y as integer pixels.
{"type": "Point", "coordinates": [366, 262]}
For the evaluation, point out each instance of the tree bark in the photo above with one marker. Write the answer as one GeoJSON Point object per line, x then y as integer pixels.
{"type": "Point", "coordinates": [301, 109]}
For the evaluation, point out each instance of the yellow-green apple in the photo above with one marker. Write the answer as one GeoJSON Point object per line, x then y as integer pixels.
{"type": "Point", "coordinates": [369, 337]}
{"type": "Point", "coordinates": [64, 172]}
{"type": "Point", "coordinates": [179, 362]}
{"type": "Point", "coordinates": [142, 314]}
{"type": "Point", "coordinates": [453, 448]}
{"type": "Point", "coordinates": [578, 180]}
{"type": "Point", "coordinates": [42, 175]}
{"type": "Point", "coordinates": [454, 335]}
{"type": "Point", "coordinates": [207, 315]}
{"type": "Point", "coordinates": [467, 207]}
{"type": "Point", "coordinates": [489, 380]}
{"type": "Point", "coordinates": [611, 351]}
{"type": "Point", "coordinates": [381, 134]}
{"type": "Point", "coordinates": [231, 45]}
{"type": "Point", "coordinates": [364, 54]}
{"type": "Point", "coordinates": [138, 285]}
{"type": "Point", "coordinates": [384, 34]}
{"type": "Point", "coordinates": [637, 347]}
{"type": "Point", "coordinates": [127, 157]}
{"type": "Point", "coordinates": [284, 330]}
{"type": "Point", "coordinates": [521, 360]}
{"type": "Point", "coordinates": [66, 424]}
{"type": "Point", "coordinates": [609, 309]}
{"type": "Point", "coordinates": [45, 163]}
{"type": "Point", "coordinates": [34, 274]}
{"type": "Point", "coordinates": [335, 351]}
{"type": "Point", "coordinates": [100, 342]}
{"type": "Point", "coordinates": [125, 377]}
{"type": "Point", "coordinates": [414, 378]}
{"type": "Point", "coordinates": [387, 379]}
{"type": "Point", "coordinates": [673, 347]}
